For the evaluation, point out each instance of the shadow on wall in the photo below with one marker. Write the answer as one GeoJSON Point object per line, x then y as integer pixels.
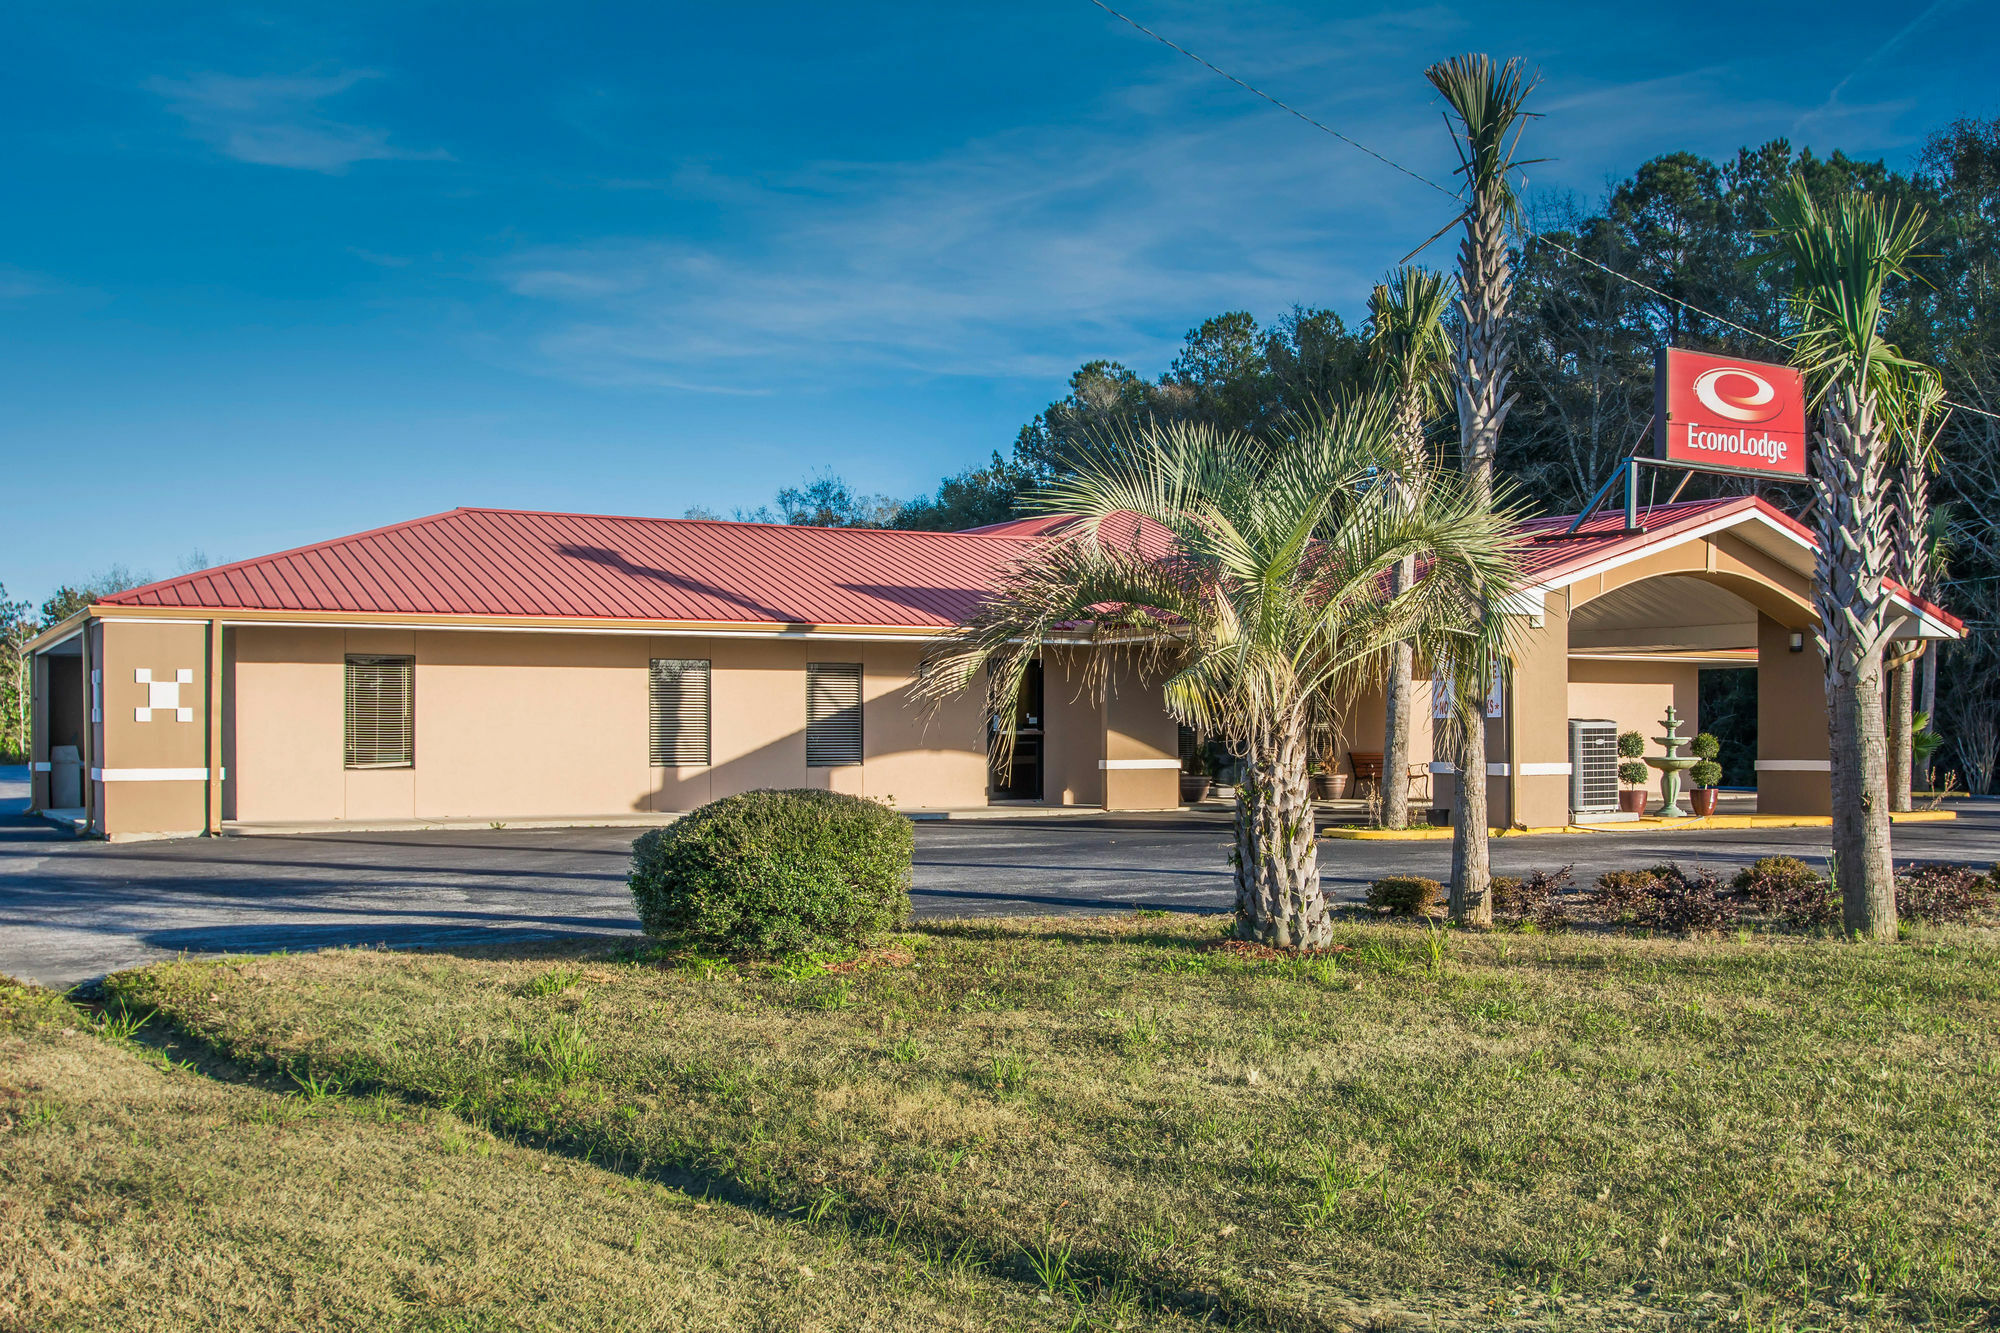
{"type": "Point", "coordinates": [897, 765]}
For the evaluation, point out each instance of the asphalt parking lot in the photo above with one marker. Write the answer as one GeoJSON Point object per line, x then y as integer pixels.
{"type": "Point", "coordinates": [72, 910]}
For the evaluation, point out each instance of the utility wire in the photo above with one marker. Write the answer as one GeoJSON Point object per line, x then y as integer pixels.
{"type": "Point", "coordinates": [1133, 23]}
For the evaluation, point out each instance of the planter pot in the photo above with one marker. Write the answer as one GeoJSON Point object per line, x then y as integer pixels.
{"type": "Point", "coordinates": [1632, 800]}
{"type": "Point", "coordinates": [1329, 786]}
{"type": "Point", "coordinates": [1194, 788]}
{"type": "Point", "coordinates": [1704, 801]}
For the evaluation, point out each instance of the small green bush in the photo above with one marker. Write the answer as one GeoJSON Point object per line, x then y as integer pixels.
{"type": "Point", "coordinates": [1705, 746]}
{"type": "Point", "coordinates": [1633, 773]}
{"type": "Point", "coordinates": [1631, 745]}
{"type": "Point", "coordinates": [1706, 773]}
{"type": "Point", "coordinates": [1405, 895]}
{"type": "Point", "coordinates": [770, 873]}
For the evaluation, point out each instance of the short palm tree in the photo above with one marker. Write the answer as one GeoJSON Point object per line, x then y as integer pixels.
{"type": "Point", "coordinates": [1411, 351]}
{"type": "Point", "coordinates": [1484, 102]}
{"type": "Point", "coordinates": [1841, 256]}
{"type": "Point", "coordinates": [1920, 420]}
{"type": "Point", "coordinates": [1266, 591]}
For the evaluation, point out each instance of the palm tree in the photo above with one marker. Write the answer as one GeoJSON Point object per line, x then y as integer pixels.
{"type": "Point", "coordinates": [1842, 255]}
{"type": "Point", "coordinates": [1486, 118]}
{"type": "Point", "coordinates": [1912, 560]}
{"type": "Point", "coordinates": [1412, 351]}
{"type": "Point", "coordinates": [1266, 591]}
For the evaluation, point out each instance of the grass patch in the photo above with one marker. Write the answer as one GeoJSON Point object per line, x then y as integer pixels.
{"type": "Point", "coordinates": [143, 1190]}
{"type": "Point", "coordinates": [1578, 1131]}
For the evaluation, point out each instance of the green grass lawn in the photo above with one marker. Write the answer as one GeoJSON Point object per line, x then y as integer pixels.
{"type": "Point", "coordinates": [1579, 1131]}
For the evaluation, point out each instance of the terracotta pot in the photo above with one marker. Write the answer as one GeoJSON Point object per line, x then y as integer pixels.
{"type": "Point", "coordinates": [1322, 787]}
{"type": "Point", "coordinates": [1336, 786]}
{"type": "Point", "coordinates": [1632, 800]}
{"type": "Point", "coordinates": [1704, 801]}
{"type": "Point", "coordinates": [1194, 788]}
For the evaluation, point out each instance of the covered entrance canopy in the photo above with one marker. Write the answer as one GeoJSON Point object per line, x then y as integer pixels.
{"type": "Point", "coordinates": [1616, 625]}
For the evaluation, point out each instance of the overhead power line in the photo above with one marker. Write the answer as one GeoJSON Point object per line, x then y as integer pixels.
{"type": "Point", "coordinates": [1394, 165]}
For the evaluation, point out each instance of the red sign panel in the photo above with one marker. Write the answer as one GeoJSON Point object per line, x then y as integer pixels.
{"type": "Point", "coordinates": [1719, 412]}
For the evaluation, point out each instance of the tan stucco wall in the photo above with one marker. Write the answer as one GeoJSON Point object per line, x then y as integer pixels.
{"type": "Point", "coordinates": [554, 725]}
{"type": "Point", "coordinates": [1139, 731]}
{"type": "Point", "coordinates": [126, 804]}
{"type": "Point", "coordinates": [1635, 695]}
{"type": "Point", "coordinates": [1073, 742]}
{"type": "Point", "coordinates": [1791, 724]}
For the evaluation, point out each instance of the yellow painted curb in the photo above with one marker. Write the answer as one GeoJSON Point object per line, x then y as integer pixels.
{"type": "Point", "coordinates": [1645, 825]}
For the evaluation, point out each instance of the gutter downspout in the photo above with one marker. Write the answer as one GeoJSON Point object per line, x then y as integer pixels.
{"type": "Point", "coordinates": [1514, 819]}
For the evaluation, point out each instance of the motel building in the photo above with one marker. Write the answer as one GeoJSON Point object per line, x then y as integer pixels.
{"type": "Point", "coordinates": [491, 665]}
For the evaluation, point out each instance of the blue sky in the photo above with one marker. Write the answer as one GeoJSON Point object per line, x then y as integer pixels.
{"type": "Point", "coordinates": [269, 275]}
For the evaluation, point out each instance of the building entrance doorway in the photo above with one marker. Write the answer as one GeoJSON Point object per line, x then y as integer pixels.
{"type": "Point", "coordinates": [1022, 780]}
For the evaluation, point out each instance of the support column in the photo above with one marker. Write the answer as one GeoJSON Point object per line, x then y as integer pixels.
{"type": "Point", "coordinates": [1794, 773]}
{"type": "Point", "coordinates": [1531, 743]}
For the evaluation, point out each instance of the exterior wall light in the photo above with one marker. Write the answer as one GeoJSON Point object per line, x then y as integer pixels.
{"type": "Point", "coordinates": [1798, 642]}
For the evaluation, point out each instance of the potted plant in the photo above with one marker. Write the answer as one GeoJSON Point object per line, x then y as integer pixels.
{"type": "Point", "coordinates": [1195, 781]}
{"type": "Point", "coordinates": [1634, 774]}
{"type": "Point", "coordinates": [1705, 774]}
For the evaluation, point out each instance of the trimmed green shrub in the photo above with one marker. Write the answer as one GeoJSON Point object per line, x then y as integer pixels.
{"type": "Point", "coordinates": [1707, 773]}
{"type": "Point", "coordinates": [1705, 746]}
{"type": "Point", "coordinates": [1405, 895]}
{"type": "Point", "coordinates": [1633, 773]}
{"type": "Point", "coordinates": [770, 873]}
{"type": "Point", "coordinates": [1631, 745]}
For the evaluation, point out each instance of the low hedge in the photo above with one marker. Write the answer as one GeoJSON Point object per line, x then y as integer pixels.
{"type": "Point", "coordinates": [770, 873]}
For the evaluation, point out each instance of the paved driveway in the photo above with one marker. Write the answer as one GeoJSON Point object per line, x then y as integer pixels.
{"type": "Point", "coordinates": [71, 910]}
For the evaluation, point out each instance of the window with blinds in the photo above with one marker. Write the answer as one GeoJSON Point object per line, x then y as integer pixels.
{"type": "Point", "coordinates": [679, 706]}
{"type": "Point", "coordinates": [833, 714]}
{"type": "Point", "coordinates": [381, 712]}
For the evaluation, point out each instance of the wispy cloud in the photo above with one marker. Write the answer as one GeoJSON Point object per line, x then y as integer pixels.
{"type": "Point", "coordinates": [276, 120]}
{"type": "Point", "coordinates": [1014, 256]}
{"type": "Point", "coordinates": [18, 284]}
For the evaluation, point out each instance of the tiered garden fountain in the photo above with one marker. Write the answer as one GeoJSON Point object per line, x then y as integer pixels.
{"type": "Point", "coordinates": [1671, 765]}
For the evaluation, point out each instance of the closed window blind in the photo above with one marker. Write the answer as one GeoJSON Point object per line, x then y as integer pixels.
{"type": "Point", "coordinates": [381, 712]}
{"type": "Point", "coordinates": [680, 715]}
{"type": "Point", "coordinates": [833, 714]}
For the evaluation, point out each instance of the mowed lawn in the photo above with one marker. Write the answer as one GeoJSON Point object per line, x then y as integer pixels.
{"type": "Point", "coordinates": [1033, 1124]}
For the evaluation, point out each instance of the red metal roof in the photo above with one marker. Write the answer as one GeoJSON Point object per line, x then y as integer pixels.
{"type": "Point", "coordinates": [505, 562]}
{"type": "Point", "coordinates": [501, 562]}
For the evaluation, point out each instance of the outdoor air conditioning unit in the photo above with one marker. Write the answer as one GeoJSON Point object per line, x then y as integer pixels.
{"type": "Point", "coordinates": [1593, 766]}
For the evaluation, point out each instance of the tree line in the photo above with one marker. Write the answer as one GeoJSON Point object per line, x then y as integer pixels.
{"type": "Point", "coordinates": [1697, 233]}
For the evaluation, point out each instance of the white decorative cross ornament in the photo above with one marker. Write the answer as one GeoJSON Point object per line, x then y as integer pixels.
{"type": "Point", "coordinates": [163, 696]}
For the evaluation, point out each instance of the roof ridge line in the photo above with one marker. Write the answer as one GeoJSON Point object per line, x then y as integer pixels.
{"type": "Point", "coordinates": [724, 522]}
{"type": "Point", "coordinates": [321, 545]}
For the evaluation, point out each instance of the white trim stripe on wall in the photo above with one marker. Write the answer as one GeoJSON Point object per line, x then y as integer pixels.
{"type": "Point", "coordinates": [152, 774]}
{"type": "Point", "coordinates": [1500, 770]}
{"type": "Point", "coordinates": [1795, 765]}
{"type": "Point", "coordinates": [1138, 763]}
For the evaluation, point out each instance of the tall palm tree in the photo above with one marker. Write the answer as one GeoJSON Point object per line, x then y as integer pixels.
{"type": "Point", "coordinates": [1842, 255]}
{"type": "Point", "coordinates": [1921, 419]}
{"type": "Point", "coordinates": [1411, 350]}
{"type": "Point", "coordinates": [1266, 591]}
{"type": "Point", "coordinates": [1485, 114]}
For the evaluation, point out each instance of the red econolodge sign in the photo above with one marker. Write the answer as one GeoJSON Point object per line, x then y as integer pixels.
{"type": "Point", "coordinates": [1719, 412]}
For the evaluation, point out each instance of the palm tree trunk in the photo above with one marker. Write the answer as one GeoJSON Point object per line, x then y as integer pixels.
{"type": "Point", "coordinates": [1471, 870]}
{"type": "Point", "coordinates": [1397, 723]}
{"type": "Point", "coordinates": [1902, 702]}
{"type": "Point", "coordinates": [1854, 625]}
{"type": "Point", "coordinates": [1278, 897]}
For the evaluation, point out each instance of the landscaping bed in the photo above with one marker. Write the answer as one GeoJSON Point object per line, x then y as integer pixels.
{"type": "Point", "coordinates": [1562, 1129]}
